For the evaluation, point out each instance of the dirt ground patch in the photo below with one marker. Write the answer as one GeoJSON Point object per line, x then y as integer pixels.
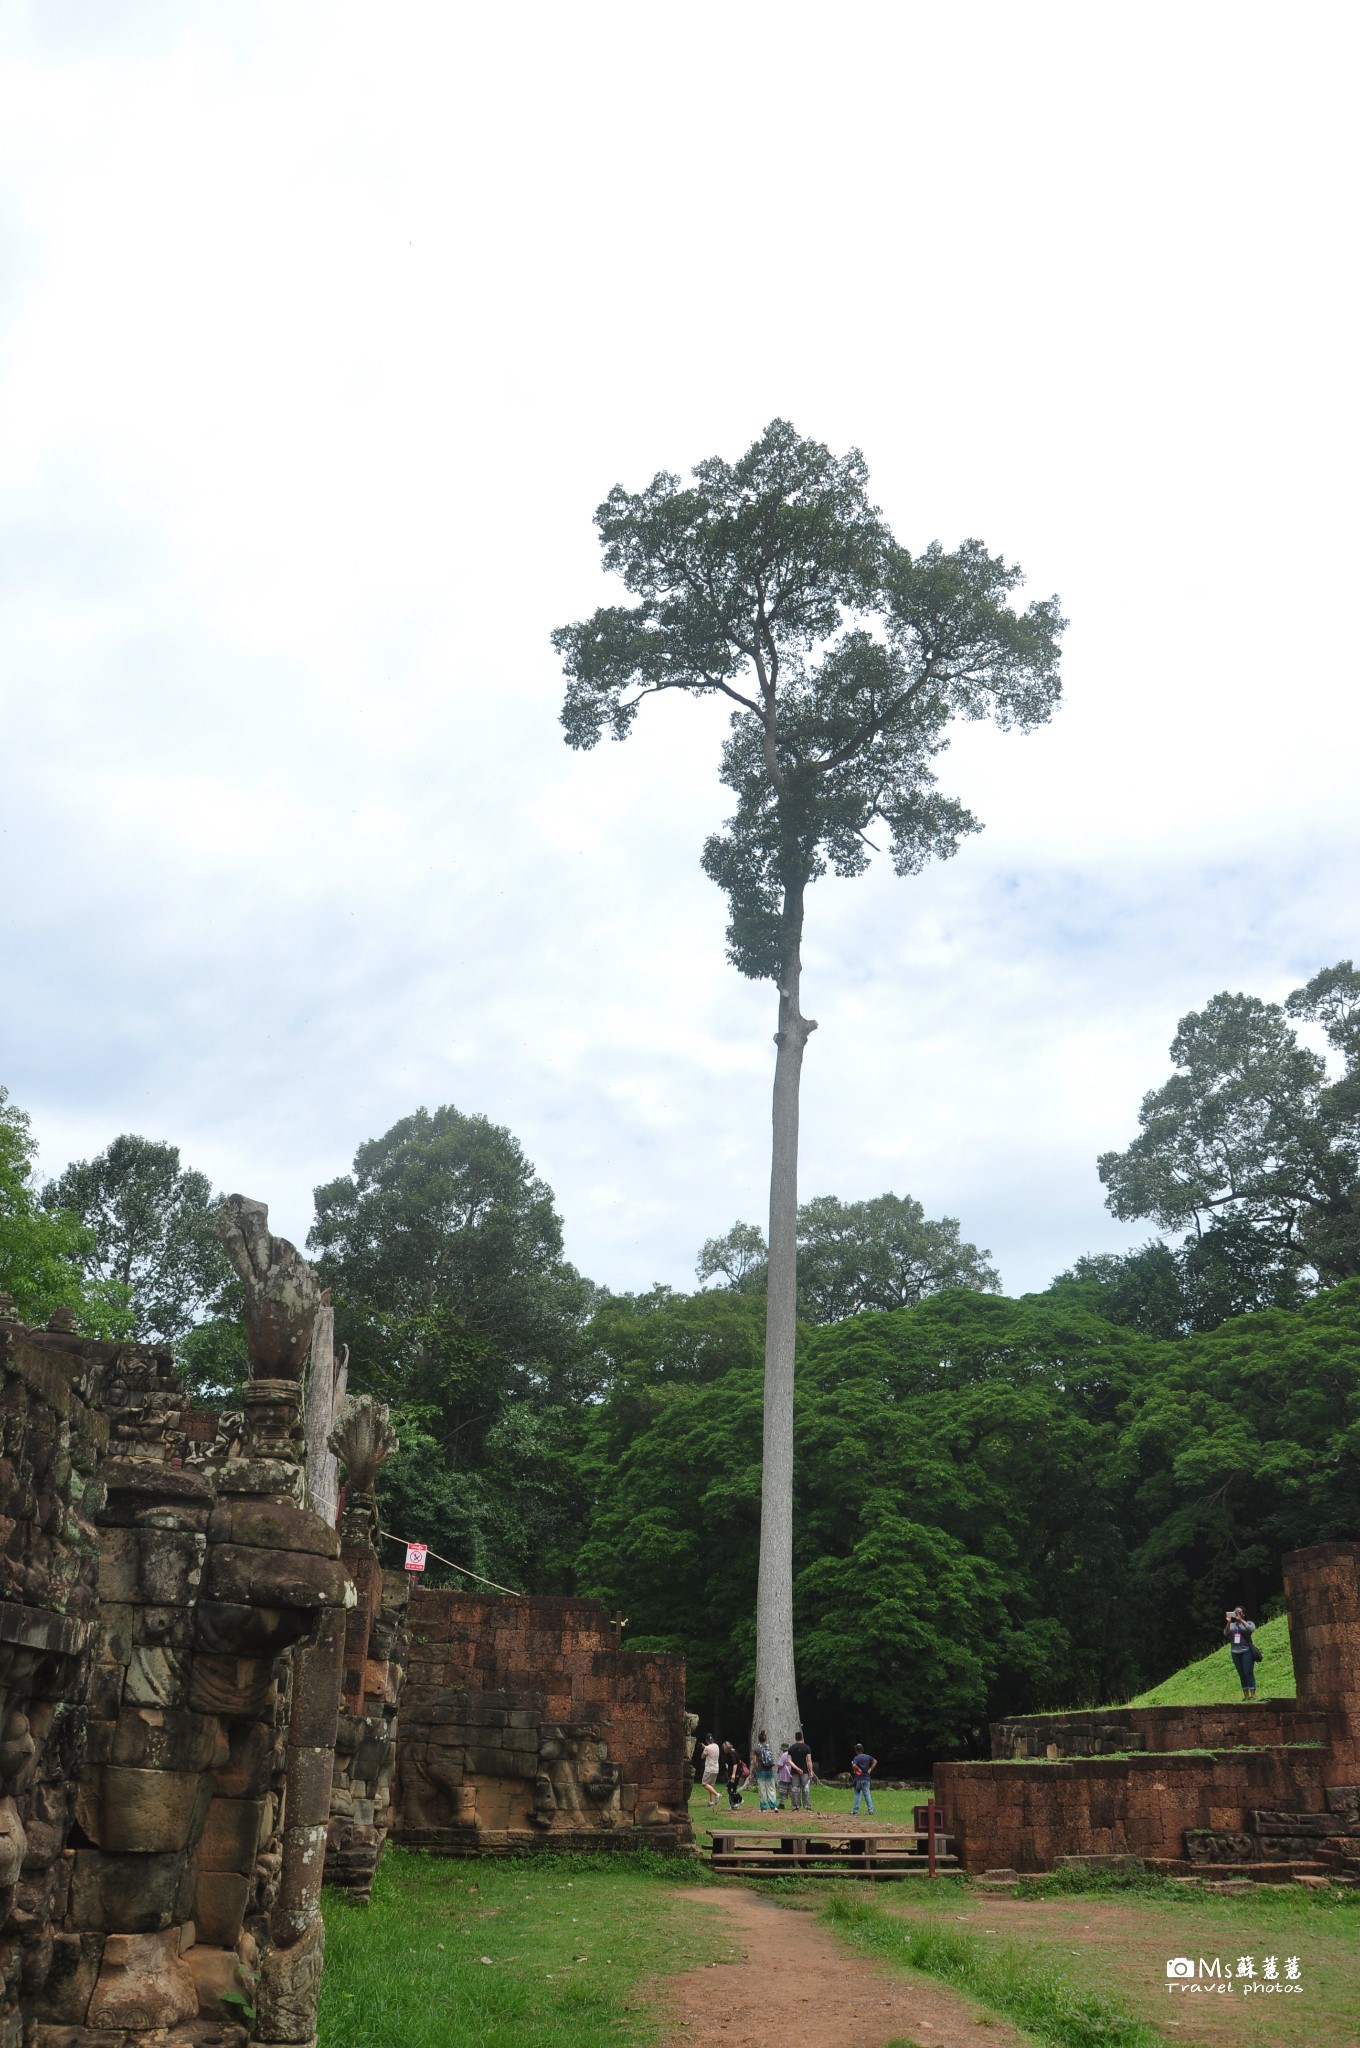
{"type": "Point", "coordinates": [799, 1988]}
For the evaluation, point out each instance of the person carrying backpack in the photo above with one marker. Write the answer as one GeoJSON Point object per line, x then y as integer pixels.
{"type": "Point", "coordinates": [762, 1769]}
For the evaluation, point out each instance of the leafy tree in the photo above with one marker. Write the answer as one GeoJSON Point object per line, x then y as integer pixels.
{"type": "Point", "coordinates": [1222, 1271]}
{"type": "Point", "coordinates": [740, 1255]}
{"type": "Point", "coordinates": [1252, 1139]}
{"type": "Point", "coordinates": [885, 1253]}
{"type": "Point", "coordinates": [45, 1253]}
{"type": "Point", "coordinates": [150, 1232]}
{"type": "Point", "coordinates": [444, 1252]}
{"type": "Point", "coordinates": [773, 582]}
{"type": "Point", "coordinates": [1002, 1506]}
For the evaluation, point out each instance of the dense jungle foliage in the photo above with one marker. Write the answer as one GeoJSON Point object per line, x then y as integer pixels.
{"type": "Point", "coordinates": [1001, 1505]}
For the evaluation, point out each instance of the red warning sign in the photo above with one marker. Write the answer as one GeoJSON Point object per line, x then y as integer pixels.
{"type": "Point", "coordinates": [415, 1556]}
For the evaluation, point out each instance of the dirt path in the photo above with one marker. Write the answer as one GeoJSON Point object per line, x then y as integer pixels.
{"type": "Point", "coordinates": [798, 1988]}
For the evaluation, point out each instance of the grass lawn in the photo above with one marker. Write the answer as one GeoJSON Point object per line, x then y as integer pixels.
{"type": "Point", "coordinates": [829, 1802]}
{"type": "Point", "coordinates": [1085, 1965]}
{"type": "Point", "coordinates": [531, 1952]}
{"type": "Point", "coordinates": [1212, 1681]}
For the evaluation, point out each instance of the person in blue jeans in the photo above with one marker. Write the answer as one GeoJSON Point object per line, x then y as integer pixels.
{"type": "Point", "coordinates": [862, 1768]}
{"type": "Point", "coordinates": [1238, 1632]}
{"type": "Point", "coordinates": [762, 1770]}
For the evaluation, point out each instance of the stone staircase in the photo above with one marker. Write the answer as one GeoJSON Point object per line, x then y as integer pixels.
{"type": "Point", "coordinates": [830, 1853]}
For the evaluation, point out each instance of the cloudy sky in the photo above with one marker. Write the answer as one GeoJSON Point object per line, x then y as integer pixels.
{"type": "Point", "coordinates": [323, 329]}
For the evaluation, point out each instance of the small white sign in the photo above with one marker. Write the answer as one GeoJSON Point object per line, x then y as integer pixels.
{"type": "Point", "coordinates": [415, 1556]}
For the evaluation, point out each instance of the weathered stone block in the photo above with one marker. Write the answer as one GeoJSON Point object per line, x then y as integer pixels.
{"type": "Point", "coordinates": [155, 1567]}
{"type": "Point", "coordinates": [225, 1629]}
{"type": "Point", "coordinates": [233, 1686]}
{"type": "Point", "coordinates": [232, 1834]}
{"type": "Point", "coordinates": [290, 1983]}
{"type": "Point", "coordinates": [220, 1901]}
{"type": "Point", "coordinates": [272, 1525]}
{"type": "Point", "coordinates": [154, 1739]}
{"type": "Point", "coordinates": [310, 1775]}
{"type": "Point", "coordinates": [275, 1578]}
{"type": "Point", "coordinates": [129, 1894]}
{"type": "Point", "coordinates": [170, 1628]}
{"type": "Point", "coordinates": [65, 1996]}
{"type": "Point", "coordinates": [155, 1678]}
{"type": "Point", "coordinates": [142, 1983]}
{"type": "Point", "coordinates": [142, 1812]}
{"type": "Point", "coordinates": [218, 1974]}
{"type": "Point", "coordinates": [135, 1487]}
{"type": "Point", "coordinates": [253, 1761]}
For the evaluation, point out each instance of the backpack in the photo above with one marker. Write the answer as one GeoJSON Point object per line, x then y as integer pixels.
{"type": "Point", "coordinates": [764, 1756]}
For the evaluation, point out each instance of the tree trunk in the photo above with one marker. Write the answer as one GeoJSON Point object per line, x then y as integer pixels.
{"type": "Point", "coordinates": [325, 1391]}
{"type": "Point", "coordinates": [776, 1699]}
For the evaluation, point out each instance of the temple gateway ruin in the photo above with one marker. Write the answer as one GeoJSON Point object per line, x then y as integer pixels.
{"type": "Point", "coordinates": [206, 1689]}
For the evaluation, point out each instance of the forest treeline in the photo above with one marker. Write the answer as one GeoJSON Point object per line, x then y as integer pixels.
{"type": "Point", "coordinates": [1001, 1505]}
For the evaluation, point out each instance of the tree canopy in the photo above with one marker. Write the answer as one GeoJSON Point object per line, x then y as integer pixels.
{"type": "Point", "coordinates": [150, 1232]}
{"type": "Point", "coordinates": [880, 1254]}
{"type": "Point", "coordinates": [443, 1249]}
{"type": "Point", "coordinates": [1000, 1506]}
{"type": "Point", "coordinates": [46, 1253]}
{"type": "Point", "coordinates": [1253, 1143]}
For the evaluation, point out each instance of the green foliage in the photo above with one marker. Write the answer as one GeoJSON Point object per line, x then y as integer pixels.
{"type": "Point", "coordinates": [760, 581]}
{"type": "Point", "coordinates": [46, 1253]}
{"type": "Point", "coordinates": [444, 1252]}
{"type": "Point", "coordinates": [1000, 1506]}
{"type": "Point", "coordinates": [212, 1356]}
{"type": "Point", "coordinates": [881, 1254]}
{"type": "Point", "coordinates": [1254, 1144]}
{"type": "Point", "coordinates": [149, 1224]}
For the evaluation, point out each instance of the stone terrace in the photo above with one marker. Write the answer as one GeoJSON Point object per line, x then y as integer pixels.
{"type": "Point", "coordinates": [1261, 1787]}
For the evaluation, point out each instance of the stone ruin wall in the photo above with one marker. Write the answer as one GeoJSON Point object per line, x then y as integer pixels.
{"type": "Point", "coordinates": [1281, 1781]}
{"type": "Point", "coordinates": [376, 1648]}
{"type": "Point", "coordinates": [199, 1692]}
{"type": "Point", "coordinates": [524, 1727]}
{"type": "Point", "coordinates": [172, 1628]}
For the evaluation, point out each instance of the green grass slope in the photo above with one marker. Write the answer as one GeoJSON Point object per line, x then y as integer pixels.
{"type": "Point", "coordinates": [1212, 1681]}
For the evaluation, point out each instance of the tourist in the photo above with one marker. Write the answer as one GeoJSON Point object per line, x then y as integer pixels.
{"type": "Point", "coordinates": [783, 1778]}
{"type": "Point", "coordinates": [762, 1767]}
{"type": "Point", "coordinates": [800, 1756]}
{"type": "Point", "coordinates": [1238, 1632]}
{"type": "Point", "coordinates": [862, 1768]}
{"type": "Point", "coordinates": [710, 1763]}
{"type": "Point", "coordinates": [734, 1770]}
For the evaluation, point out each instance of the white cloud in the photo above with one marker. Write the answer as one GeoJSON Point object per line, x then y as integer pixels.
{"type": "Point", "coordinates": [322, 331]}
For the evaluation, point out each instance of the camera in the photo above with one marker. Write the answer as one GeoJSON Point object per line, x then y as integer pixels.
{"type": "Point", "coordinates": [1181, 1966]}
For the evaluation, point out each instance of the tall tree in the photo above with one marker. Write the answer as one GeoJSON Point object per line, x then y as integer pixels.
{"type": "Point", "coordinates": [150, 1232]}
{"type": "Point", "coordinates": [774, 583]}
{"type": "Point", "coordinates": [444, 1251]}
{"type": "Point", "coordinates": [1253, 1144]}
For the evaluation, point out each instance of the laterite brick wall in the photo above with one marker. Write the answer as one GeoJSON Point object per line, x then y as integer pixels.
{"type": "Point", "coordinates": [521, 1723]}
